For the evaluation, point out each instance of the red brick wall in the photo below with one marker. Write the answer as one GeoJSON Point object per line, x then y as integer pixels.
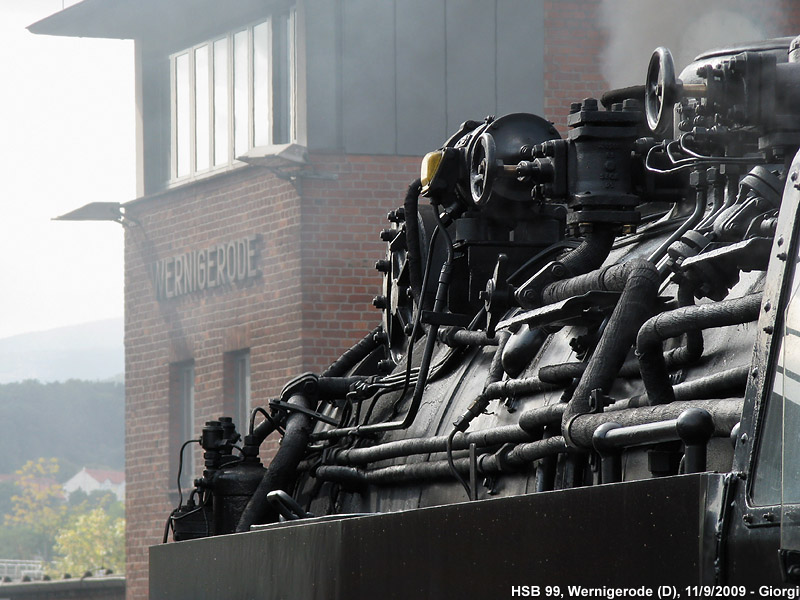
{"type": "Point", "coordinates": [312, 301]}
{"type": "Point", "coordinates": [572, 45]}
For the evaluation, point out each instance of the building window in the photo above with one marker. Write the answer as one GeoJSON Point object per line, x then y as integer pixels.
{"type": "Point", "coordinates": [237, 388]}
{"type": "Point", "coordinates": [182, 424]}
{"type": "Point", "coordinates": [233, 94]}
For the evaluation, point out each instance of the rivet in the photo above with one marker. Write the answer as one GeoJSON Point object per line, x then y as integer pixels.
{"type": "Point", "coordinates": [769, 329]}
{"type": "Point", "coordinates": [754, 373]}
{"type": "Point", "coordinates": [745, 438]}
{"type": "Point", "coordinates": [767, 306]}
{"type": "Point", "coordinates": [780, 241]}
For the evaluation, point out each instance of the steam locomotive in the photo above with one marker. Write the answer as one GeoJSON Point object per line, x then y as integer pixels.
{"type": "Point", "coordinates": [586, 377]}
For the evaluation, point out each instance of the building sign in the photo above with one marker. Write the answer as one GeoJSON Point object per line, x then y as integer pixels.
{"type": "Point", "coordinates": [198, 270]}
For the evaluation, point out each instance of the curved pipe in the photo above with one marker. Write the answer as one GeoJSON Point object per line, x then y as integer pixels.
{"type": "Point", "coordinates": [282, 468]}
{"type": "Point", "coordinates": [694, 219]}
{"type": "Point", "coordinates": [564, 373]}
{"type": "Point", "coordinates": [649, 349]}
{"type": "Point", "coordinates": [458, 336]}
{"type": "Point", "coordinates": [639, 282]}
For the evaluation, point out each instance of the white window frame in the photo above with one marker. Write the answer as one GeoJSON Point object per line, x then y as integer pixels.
{"type": "Point", "coordinates": [194, 173]}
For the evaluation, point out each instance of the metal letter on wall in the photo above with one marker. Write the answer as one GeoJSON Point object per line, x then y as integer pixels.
{"type": "Point", "coordinates": [221, 265]}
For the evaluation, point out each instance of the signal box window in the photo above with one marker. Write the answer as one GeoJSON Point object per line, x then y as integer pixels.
{"type": "Point", "coordinates": [232, 94]}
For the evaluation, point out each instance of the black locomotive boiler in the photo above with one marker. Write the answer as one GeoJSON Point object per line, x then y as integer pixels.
{"type": "Point", "coordinates": [587, 370]}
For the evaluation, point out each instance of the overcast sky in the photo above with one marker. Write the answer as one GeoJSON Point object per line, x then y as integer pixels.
{"type": "Point", "coordinates": [66, 139]}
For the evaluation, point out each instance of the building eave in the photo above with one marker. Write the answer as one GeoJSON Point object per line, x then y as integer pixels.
{"type": "Point", "coordinates": [144, 19]}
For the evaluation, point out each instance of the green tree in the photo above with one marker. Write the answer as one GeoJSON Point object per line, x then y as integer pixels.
{"type": "Point", "coordinates": [92, 541]}
{"type": "Point", "coordinates": [38, 509]}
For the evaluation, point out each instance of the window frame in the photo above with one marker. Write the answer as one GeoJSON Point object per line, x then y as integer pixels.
{"type": "Point", "coordinates": [178, 178]}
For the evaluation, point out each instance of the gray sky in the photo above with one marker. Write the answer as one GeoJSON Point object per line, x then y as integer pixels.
{"type": "Point", "coordinates": [66, 139]}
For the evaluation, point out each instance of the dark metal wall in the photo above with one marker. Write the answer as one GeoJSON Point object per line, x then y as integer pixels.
{"type": "Point", "coordinates": [652, 533]}
{"type": "Point", "coordinates": [396, 76]}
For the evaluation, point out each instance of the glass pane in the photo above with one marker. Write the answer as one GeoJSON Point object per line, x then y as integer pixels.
{"type": "Point", "coordinates": [221, 108]}
{"type": "Point", "coordinates": [261, 77]}
{"type": "Point", "coordinates": [240, 94]}
{"type": "Point", "coordinates": [202, 109]}
{"type": "Point", "coordinates": [281, 91]}
{"type": "Point", "coordinates": [182, 112]}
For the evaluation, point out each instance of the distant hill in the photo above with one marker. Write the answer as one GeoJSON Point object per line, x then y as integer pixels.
{"type": "Point", "coordinates": [91, 351]}
{"type": "Point", "coordinates": [82, 423]}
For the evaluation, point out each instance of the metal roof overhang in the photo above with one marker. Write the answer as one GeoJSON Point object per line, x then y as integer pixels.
{"type": "Point", "coordinates": [143, 19]}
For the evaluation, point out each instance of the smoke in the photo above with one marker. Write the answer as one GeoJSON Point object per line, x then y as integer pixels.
{"type": "Point", "coordinates": [634, 28]}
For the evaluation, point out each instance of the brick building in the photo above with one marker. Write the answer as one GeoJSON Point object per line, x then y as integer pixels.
{"type": "Point", "coordinates": [273, 137]}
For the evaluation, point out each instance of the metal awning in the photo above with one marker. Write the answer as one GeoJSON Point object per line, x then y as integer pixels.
{"type": "Point", "coordinates": [145, 19]}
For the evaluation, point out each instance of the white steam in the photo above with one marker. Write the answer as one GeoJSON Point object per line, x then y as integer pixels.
{"type": "Point", "coordinates": [634, 28]}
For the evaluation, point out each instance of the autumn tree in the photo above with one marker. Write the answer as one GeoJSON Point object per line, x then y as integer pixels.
{"type": "Point", "coordinates": [92, 541]}
{"type": "Point", "coordinates": [38, 509]}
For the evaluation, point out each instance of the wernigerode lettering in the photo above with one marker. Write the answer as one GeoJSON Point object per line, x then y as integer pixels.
{"type": "Point", "coordinates": [198, 270]}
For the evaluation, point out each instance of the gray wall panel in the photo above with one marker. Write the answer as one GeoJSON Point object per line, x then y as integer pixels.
{"type": "Point", "coordinates": [321, 43]}
{"type": "Point", "coordinates": [520, 56]}
{"type": "Point", "coordinates": [368, 77]}
{"type": "Point", "coordinates": [471, 84]}
{"type": "Point", "coordinates": [421, 91]}
{"type": "Point", "coordinates": [399, 76]}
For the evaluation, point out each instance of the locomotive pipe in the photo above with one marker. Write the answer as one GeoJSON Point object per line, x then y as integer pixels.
{"type": "Point", "coordinates": [283, 466]}
{"type": "Point", "coordinates": [677, 357]}
{"type": "Point", "coordinates": [676, 322]}
{"type": "Point", "coordinates": [409, 447]}
{"type": "Point", "coordinates": [499, 462]}
{"type": "Point", "coordinates": [726, 413]}
{"type": "Point", "coordinates": [694, 219]}
{"type": "Point", "coordinates": [639, 282]}
{"type": "Point", "coordinates": [495, 375]}
{"type": "Point", "coordinates": [729, 382]}
{"type": "Point", "coordinates": [458, 336]}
